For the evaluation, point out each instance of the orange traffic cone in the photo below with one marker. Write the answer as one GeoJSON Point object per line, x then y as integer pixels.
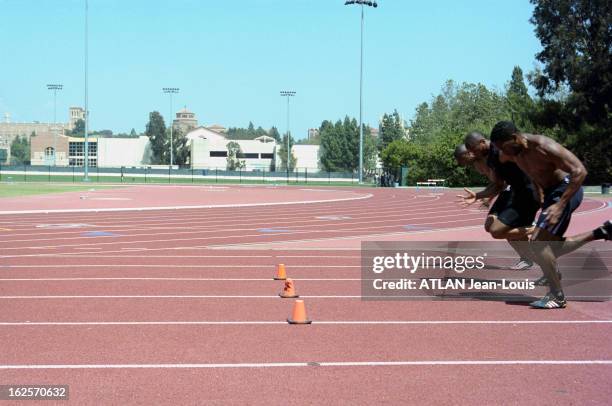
{"type": "Point", "coordinates": [281, 275]}
{"type": "Point", "coordinates": [289, 290]}
{"type": "Point", "coordinates": [299, 314]}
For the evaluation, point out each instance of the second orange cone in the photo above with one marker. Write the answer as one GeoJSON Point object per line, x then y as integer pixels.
{"type": "Point", "coordinates": [288, 290]}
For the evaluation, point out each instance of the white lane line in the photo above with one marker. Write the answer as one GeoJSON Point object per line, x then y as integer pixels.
{"type": "Point", "coordinates": [294, 228]}
{"type": "Point", "coordinates": [175, 279]}
{"type": "Point", "coordinates": [379, 298]}
{"type": "Point", "coordinates": [117, 241]}
{"type": "Point", "coordinates": [62, 297]}
{"type": "Point", "coordinates": [327, 322]}
{"type": "Point", "coordinates": [312, 364]}
{"type": "Point", "coordinates": [121, 254]}
{"type": "Point", "coordinates": [272, 220]}
{"type": "Point", "coordinates": [267, 212]}
{"type": "Point", "coordinates": [175, 256]}
{"type": "Point", "coordinates": [170, 279]}
{"type": "Point", "coordinates": [212, 206]}
{"type": "Point", "coordinates": [282, 244]}
{"type": "Point", "coordinates": [263, 266]}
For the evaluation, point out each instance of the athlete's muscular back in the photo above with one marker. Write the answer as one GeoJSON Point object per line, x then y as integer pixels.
{"type": "Point", "coordinates": [543, 160]}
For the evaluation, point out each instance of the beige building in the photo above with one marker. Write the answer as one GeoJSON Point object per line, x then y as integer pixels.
{"type": "Point", "coordinates": [76, 114]}
{"type": "Point", "coordinates": [103, 152]}
{"type": "Point", "coordinates": [9, 130]}
{"type": "Point", "coordinates": [185, 121]}
{"type": "Point", "coordinates": [47, 149]}
{"type": "Point", "coordinates": [217, 128]}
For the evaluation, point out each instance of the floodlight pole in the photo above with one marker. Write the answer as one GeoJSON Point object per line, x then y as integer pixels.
{"type": "Point", "coordinates": [362, 3]}
{"type": "Point", "coordinates": [288, 94]}
{"type": "Point", "coordinates": [171, 91]}
{"type": "Point", "coordinates": [86, 152]}
{"type": "Point", "coordinates": [55, 88]}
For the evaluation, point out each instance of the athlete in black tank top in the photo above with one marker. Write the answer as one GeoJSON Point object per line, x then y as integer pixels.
{"type": "Point", "coordinates": [508, 171]}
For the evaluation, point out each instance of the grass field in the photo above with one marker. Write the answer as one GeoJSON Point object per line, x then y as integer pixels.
{"type": "Point", "coordinates": [175, 180]}
{"type": "Point", "coordinates": [24, 189]}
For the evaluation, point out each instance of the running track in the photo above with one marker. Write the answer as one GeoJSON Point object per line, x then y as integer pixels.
{"type": "Point", "coordinates": [179, 307]}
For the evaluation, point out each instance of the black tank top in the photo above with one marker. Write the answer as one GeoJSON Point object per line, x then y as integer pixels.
{"type": "Point", "coordinates": [508, 171]}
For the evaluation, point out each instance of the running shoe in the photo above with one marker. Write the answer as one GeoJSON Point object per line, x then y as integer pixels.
{"type": "Point", "coordinates": [549, 301]}
{"type": "Point", "coordinates": [522, 264]}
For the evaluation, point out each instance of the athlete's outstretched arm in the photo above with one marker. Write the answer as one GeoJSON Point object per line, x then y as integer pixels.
{"type": "Point", "coordinates": [495, 186]}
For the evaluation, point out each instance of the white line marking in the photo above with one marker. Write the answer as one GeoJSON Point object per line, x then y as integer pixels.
{"type": "Point", "coordinates": [273, 214]}
{"type": "Point", "coordinates": [604, 298]}
{"type": "Point", "coordinates": [328, 322]}
{"type": "Point", "coordinates": [170, 279]}
{"type": "Point", "coordinates": [311, 364]}
{"type": "Point", "coordinates": [271, 245]}
{"type": "Point", "coordinates": [212, 206]}
{"type": "Point", "coordinates": [263, 266]}
{"type": "Point", "coordinates": [293, 229]}
{"type": "Point", "coordinates": [121, 254]}
{"type": "Point", "coordinates": [171, 297]}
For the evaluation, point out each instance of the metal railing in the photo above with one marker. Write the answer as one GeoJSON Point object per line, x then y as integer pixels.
{"type": "Point", "coordinates": [40, 173]}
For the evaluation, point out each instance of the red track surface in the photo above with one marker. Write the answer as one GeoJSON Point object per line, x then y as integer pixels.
{"type": "Point", "coordinates": [174, 281]}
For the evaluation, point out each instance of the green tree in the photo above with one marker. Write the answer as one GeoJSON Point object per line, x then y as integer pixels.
{"type": "Point", "coordinates": [402, 153]}
{"type": "Point", "coordinates": [20, 150]}
{"type": "Point", "coordinates": [133, 133]}
{"type": "Point", "coordinates": [236, 133]}
{"type": "Point", "coordinates": [391, 129]}
{"type": "Point", "coordinates": [282, 154]}
{"type": "Point", "coordinates": [273, 132]}
{"type": "Point", "coordinates": [79, 129]}
{"type": "Point", "coordinates": [520, 104]}
{"type": "Point", "coordinates": [156, 131]}
{"type": "Point", "coordinates": [340, 146]}
{"type": "Point", "coordinates": [180, 146]}
{"type": "Point", "coordinates": [439, 126]}
{"type": "Point", "coordinates": [576, 38]}
{"type": "Point", "coordinates": [458, 109]}
{"type": "Point", "coordinates": [576, 56]}
{"type": "Point", "coordinates": [233, 153]}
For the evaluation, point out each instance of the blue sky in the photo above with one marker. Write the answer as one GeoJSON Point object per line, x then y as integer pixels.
{"type": "Point", "coordinates": [230, 58]}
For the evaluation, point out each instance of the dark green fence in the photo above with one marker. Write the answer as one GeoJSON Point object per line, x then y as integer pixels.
{"type": "Point", "coordinates": [28, 173]}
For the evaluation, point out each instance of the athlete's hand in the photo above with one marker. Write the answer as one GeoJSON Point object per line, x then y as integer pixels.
{"type": "Point", "coordinates": [468, 199]}
{"type": "Point", "coordinates": [553, 213]}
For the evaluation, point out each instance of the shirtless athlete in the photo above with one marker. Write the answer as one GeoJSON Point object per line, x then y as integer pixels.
{"type": "Point", "coordinates": [560, 175]}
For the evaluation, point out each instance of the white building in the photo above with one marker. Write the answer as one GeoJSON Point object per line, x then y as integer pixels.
{"type": "Point", "coordinates": [209, 150]}
{"type": "Point", "coordinates": [117, 152]}
{"type": "Point", "coordinates": [60, 150]}
{"type": "Point", "coordinates": [307, 157]}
